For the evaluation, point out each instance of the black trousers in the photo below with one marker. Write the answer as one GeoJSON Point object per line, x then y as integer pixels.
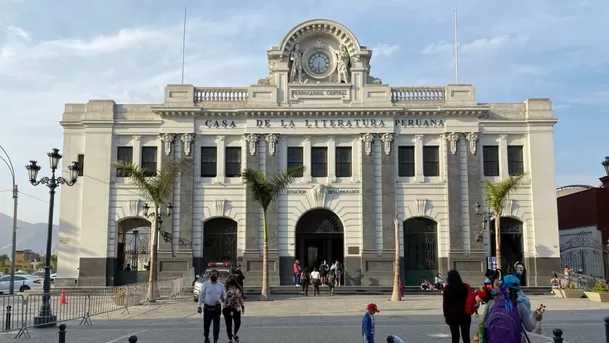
{"type": "Point", "coordinates": [305, 287]}
{"type": "Point", "coordinates": [211, 314]}
{"type": "Point", "coordinates": [316, 283]}
{"type": "Point", "coordinates": [231, 316]}
{"type": "Point", "coordinates": [461, 323]}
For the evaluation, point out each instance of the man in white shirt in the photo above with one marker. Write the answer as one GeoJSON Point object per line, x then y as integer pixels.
{"type": "Point", "coordinates": [211, 297]}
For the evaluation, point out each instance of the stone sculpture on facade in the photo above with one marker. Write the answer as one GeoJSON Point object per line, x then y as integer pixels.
{"type": "Point", "coordinates": [318, 192]}
{"type": "Point", "coordinates": [368, 138]}
{"type": "Point", "coordinates": [472, 138]}
{"type": "Point", "coordinates": [167, 139]}
{"type": "Point", "coordinates": [453, 139]}
{"type": "Point", "coordinates": [342, 63]}
{"type": "Point", "coordinates": [252, 140]}
{"type": "Point", "coordinates": [387, 139]}
{"type": "Point", "coordinates": [296, 69]}
{"type": "Point", "coordinates": [187, 139]}
{"type": "Point", "coordinates": [271, 141]}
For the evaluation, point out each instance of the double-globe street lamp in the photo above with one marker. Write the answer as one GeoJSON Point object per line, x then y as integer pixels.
{"type": "Point", "coordinates": [45, 317]}
{"type": "Point", "coordinates": [158, 220]}
{"type": "Point", "coordinates": [9, 164]}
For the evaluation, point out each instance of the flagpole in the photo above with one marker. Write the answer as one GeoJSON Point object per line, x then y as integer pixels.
{"type": "Point", "coordinates": [183, 45]}
{"type": "Point", "coordinates": [456, 51]}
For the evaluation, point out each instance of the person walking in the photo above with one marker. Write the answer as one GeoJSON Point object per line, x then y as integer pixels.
{"type": "Point", "coordinates": [233, 308]}
{"type": "Point", "coordinates": [210, 303]}
{"type": "Point", "coordinates": [368, 323]}
{"type": "Point", "coordinates": [315, 280]}
{"type": "Point", "coordinates": [453, 305]}
{"type": "Point", "coordinates": [296, 269]}
{"type": "Point", "coordinates": [305, 279]}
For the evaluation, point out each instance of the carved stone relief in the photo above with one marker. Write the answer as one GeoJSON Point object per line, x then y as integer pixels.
{"type": "Point", "coordinates": [187, 139]}
{"type": "Point", "coordinates": [508, 207]}
{"type": "Point", "coordinates": [271, 141]}
{"type": "Point", "coordinates": [453, 139]}
{"type": "Point", "coordinates": [472, 138]}
{"type": "Point", "coordinates": [368, 138]}
{"type": "Point", "coordinates": [220, 207]}
{"type": "Point", "coordinates": [318, 195]}
{"type": "Point", "coordinates": [134, 208]}
{"type": "Point", "coordinates": [387, 139]}
{"type": "Point", "coordinates": [167, 139]}
{"type": "Point", "coordinates": [252, 140]}
{"type": "Point", "coordinates": [421, 207]}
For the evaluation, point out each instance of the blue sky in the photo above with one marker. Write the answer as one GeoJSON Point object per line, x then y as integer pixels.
{"type": "Point", "coordinates": [57, 52]}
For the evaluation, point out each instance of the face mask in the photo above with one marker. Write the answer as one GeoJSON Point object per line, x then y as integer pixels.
{"type": "Point", "coordinates": [213, 278]}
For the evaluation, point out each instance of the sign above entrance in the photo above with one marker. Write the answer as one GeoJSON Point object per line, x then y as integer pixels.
{"type": "Point", "coordinates": [319, 123]}
{"type": "Point", "coordinates": [336, 191]}
{"type": "Point", "coordinates": [317, 92]}
{"type": "Point", "coordinates": [419, 123]}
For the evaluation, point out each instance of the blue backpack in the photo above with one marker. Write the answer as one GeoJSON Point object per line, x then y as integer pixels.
{"type": "Point", "coordinates": [501, 325]}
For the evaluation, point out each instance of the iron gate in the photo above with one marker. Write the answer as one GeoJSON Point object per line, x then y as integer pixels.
{"type": "Point", "coordinates": [420, 250]}
{"type": "Point", "coordinates": [511, 243]}
{"type": "Point", "coordinates": [136, 249]}
{"type": "Point", "coordinates": [219, 241]}
{"type": "Point", "coordinates": [583, 254]}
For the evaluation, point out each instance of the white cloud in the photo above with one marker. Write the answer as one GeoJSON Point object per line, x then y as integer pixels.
{"type": "Point", "coordinates": [385, 50]}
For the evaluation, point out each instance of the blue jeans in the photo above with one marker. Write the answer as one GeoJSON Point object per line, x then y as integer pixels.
{"type": "Point", "coordinates": [297, 278]}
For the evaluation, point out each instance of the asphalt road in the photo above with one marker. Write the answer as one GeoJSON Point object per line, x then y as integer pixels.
{"type": "Point", "coordinates": [579, 327]}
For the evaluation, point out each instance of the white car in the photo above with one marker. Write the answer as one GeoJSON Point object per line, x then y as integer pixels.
{"type": "Point", "coordinates": [22, 283]}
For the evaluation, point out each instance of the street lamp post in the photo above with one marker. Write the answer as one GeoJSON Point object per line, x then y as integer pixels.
{"type": "Point", "coordinates": [9, 164]}
{"type": "Point", "coordinates": [45, 317]}
{"type": "Point", "coordinates": [158, 220]}
{"type": "Point", "coordinates": [486, 220]}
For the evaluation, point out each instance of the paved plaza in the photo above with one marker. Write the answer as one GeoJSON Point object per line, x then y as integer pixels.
{"type": "Point", "coordinates": [317, 319]}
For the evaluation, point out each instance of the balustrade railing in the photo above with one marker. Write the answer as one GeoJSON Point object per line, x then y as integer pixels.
{"type": "Point", "coordinates": [219, 95]}
{"type": "Point", "coordinates": [407, 94]}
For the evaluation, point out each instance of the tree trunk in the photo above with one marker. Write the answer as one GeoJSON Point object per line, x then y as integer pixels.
{"type": "Point", "coordinates": [498, 240]}
{"type": "Point", "coordinates": [397, 294]}
{"type": "Point", "coordinates": [265, 294]}
{"type": "Point", "coordinates": [153, 257]}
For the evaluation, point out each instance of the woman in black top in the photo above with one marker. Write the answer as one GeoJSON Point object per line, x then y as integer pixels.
{"type": "Point", "coordinates": [453, 306]}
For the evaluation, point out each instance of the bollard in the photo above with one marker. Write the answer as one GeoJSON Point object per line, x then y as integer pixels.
{"type": "Point", "coordinates": [62, 333]}
{"type": "Point", "coordinates": [7, 323]}
{"type": "Point", "coordinates": [133, 339]}
{"type": "Point", "coordinates": [557, 335]}
{"type": "Point", "coordinates": [607, 329]}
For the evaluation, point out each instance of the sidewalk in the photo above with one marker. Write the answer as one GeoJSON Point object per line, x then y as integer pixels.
{"type": "Point", "coordinates": [333, 306]}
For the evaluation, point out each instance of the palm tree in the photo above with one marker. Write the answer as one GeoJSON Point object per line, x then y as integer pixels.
{"type": "Point", "coordinates": [157, 189]}
{"type": "Point", "coordinates": [264, 192]}
{"type": "Point", "coordinates": [496, 195]}
{"type": "Point", "coordinates": [396, 295]}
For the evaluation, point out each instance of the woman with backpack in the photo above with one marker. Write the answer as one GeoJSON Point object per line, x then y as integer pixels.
{"type": "Point", "coordinates": [454, 307]}
{"type": "Point", "coordinates": [506, 318]}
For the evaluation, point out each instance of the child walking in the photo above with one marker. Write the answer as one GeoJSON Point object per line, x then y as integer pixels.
{"type": "Point", "coordinates": [368, 323]}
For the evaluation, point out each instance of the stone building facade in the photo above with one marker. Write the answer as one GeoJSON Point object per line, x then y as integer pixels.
{"type": "Point", "coordinates": [371, 150]}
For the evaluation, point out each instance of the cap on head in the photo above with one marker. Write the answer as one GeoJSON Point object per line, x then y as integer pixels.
{"type": "Point", "coordinates": [510, 281]}
{"type": "Point", "coordinates": [372, 307]}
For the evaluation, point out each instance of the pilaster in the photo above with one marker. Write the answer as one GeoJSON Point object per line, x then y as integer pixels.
{"type": "Point", "coordinates": [331, 160]}
{"type": "Point", "coordinates": [272, 169]}
{"type": "Point", "coordinates": [418, 157]}
{"type": "Point", "coordinates": [166, 158]}
{"type": "Point", "coordinates": [186, 195]}
{"type": "Point", "coordinates": [453, 181]}
{"type": "Point", "coordinates": [221, 159]}
{"type": "Point", "coordinates": [503, 158]}
{"type": "Point", "coordinates": [388, 197]}
{"type": "Point", "coordinates": [306, 156]}
{"type": "Point", "coordinates": [474, 172]}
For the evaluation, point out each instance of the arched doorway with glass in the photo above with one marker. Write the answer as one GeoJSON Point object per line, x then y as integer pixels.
{"type": "Point", "coordinates": [420, 250]}
{"type": "Point", "coordinates": [133, 251]}
{"type": "Point", "coordinates": [219, 240]}
{"type": "Point", "coordinates": [319, 237]}
{"type": "Point", "coordinates": [512, 248]}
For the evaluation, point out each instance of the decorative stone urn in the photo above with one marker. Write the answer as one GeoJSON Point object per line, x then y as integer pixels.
{"type": "Point", "coordinates": [600, 297]}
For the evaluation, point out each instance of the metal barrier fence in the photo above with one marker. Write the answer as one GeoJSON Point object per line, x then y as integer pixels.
{"type": "Point", "coordinates": [20, 313]}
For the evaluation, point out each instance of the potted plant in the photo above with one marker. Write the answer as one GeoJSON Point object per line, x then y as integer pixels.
{"type": "Point", "coordinates": [571, 291]}
{"type": "Point", "coordinates": [600, 292]}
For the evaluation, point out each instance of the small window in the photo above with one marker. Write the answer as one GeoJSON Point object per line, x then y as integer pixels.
{"type": "Point", "coordinates": [81, 164]}
{"type": "Point", "coordinates": [233, 162]}
{"type": "Point", "coordinates": [431, 161]}
{"type": "Point", "coordinates": [406, 161]}
{"type": "Point", "coordinates": [515, 160]}
{"type": "Point", "coordinates": [319, 162]}
{"type": "Point", "coordinates": [149, 161]}
{"type": "Point", "coordinates": [209, 161]}
{"type": "Point", "coordinates": [490, 158]}
{"type": "Point", "coordinates": [124, 154]}
{"type": "Point", "coordinates": [295, 158]}
{"type": "Point", "coordinates": [343, 162]}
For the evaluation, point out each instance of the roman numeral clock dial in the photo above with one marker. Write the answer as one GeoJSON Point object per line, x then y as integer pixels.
{"type": "Point", "coordinates": [319, 63]}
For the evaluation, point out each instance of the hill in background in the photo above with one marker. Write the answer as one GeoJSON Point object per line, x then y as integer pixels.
{"type": "Point", "coordinates": [29, 236]}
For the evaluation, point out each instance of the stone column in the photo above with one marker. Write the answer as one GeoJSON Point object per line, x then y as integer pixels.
{"type": "Point", "coordinates": [453, 180]}
{"type": "Point", "coordinates": [474, 172]}
{"type": "Point", "coordinates": [272, 169]}
{"type": "Point", "coordinates": [186, 201]}
{"type": "Point", "coordinates": [368, 215]}
{"type": "Point", "coordinates": [252, 258]}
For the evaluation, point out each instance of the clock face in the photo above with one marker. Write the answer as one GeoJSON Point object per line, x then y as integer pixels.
{"type": "Point", "coordinates": [319, 63]}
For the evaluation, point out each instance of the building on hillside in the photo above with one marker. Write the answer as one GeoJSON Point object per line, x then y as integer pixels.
{"type": "Point", "coordinates": [583, 221]}
{"type": "Point", "coordinates": [24, 259]}
{"type": "Point", "coordinates": [370, 149]}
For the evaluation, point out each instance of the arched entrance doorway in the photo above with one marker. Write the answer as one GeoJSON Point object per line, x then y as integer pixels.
{"type": "Point", "coordinates": [512, 249]}
{"type": "Point", "coordinates": [319, 237]}
{"type": "Point", "coordinates": [133, 251]}
{"type": "Point", "coordinates": [420, 250]}
{"type": "Point", "coordinates": [219, 240]}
